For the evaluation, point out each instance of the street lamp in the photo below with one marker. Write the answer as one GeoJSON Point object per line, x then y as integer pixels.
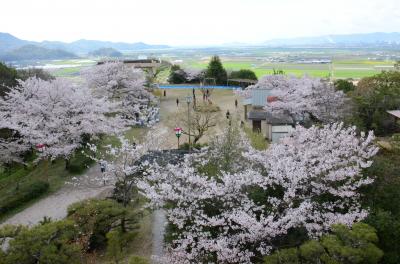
{"type": "Point", "coordinates": [188, 101]}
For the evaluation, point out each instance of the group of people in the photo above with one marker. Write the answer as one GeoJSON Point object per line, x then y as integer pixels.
{"type": "Point", "coordinates": [206, 97]}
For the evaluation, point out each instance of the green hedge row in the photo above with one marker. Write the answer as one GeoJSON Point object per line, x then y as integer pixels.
{"type": "Point", "coordinates": [23, 195]}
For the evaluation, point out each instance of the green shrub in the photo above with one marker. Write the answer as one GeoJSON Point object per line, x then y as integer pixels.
{"type": "Point", "coordinates": [243, 74]}
{"type": "Point", "coordinates": [344, 85]}
{"type": "Point", "coordinates": [49, 243]}
{"type": "Point", "coordinates": [117, 242]}
{"type": "Point", "coordinates": [344, 245]}
{"type": "Point", "coordinates": [79, 163]}
{"type": "Point", "coordinates": [23, 195]}
{"type": "Point", "coordinates": [138, 260]}
{"type": "Point", "coordinates": [95, 218]}
{"type": "Point", "coordinates": [382, 198]}
{"type": "Point", "coordinates": [185, 146]}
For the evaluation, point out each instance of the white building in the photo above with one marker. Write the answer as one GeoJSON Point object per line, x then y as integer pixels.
{"type": "Point", "coordinates": [272, 126]}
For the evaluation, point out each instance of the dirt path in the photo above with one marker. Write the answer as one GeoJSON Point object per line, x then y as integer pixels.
{"type": "Point", "coordinates": [56, 204]}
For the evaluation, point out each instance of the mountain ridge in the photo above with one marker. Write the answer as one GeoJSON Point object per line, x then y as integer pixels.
{"type": "Point", "coordinates": [374, 38]}
{"type": "Point", "coordinates": [9, 42]}
{"type": "Point", "coordinates": [34, 52]}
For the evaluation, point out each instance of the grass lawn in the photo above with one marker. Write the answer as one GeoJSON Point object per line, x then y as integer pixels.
{"type": "Point", "coordinates": [257, 140]}
{"type": "Point", "coordinates": [20, 177]}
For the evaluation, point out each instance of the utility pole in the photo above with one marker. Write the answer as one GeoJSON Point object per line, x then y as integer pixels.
{"type": "Point", "coordinates": [188, 101]}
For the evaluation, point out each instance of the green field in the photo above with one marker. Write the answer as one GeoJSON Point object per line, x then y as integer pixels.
{"type": "Point", "coordinates": [346, 63]}
{"type": "Point", "coordinates": [340, 69]}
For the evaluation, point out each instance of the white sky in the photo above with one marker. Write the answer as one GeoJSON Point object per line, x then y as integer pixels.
{"type": "Point", "coordinates": [194, 22]}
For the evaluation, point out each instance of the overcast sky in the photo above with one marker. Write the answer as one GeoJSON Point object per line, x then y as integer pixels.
{"type": "Point", "coordinates": [194, 22]}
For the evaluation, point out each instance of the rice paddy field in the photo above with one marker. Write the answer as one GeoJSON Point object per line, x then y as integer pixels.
{"type": "Point", "coordinates": [341, 63]}
{"type": "Point", "coordinates": [338, 68]}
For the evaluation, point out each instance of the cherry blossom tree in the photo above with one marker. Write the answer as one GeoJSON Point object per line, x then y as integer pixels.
{"type": "Point", "coordinates": [201, 120]}
{"type": "Point", "coordinates": [303, 98]}
{"type": "Point", "coordinates": [194, 74]}
{"type": "Point", "coordinates": [12, 148]}
{"type": "Point", "coordinates": [56, 114]}
{"type": "Point", "coordinates": [126, 85]}
{"type": "Point", "coordinates": [124, 163]}
{"type": "Point", "coordinates": [309, 180]}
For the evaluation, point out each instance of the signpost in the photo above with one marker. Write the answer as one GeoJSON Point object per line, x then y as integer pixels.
{"type": "Point", "coordinates": [178, 133]}
{"type": "Point", "coordinates": [41, 147]}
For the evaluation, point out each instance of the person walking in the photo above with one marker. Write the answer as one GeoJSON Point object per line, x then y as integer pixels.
{"type": "Point", "coordinates": [236, 103]}
{"type": "Point", "coordinates": [103, 170]}
{"type": "Point", "coordinates": [165, 93]}
{"type": "Point", "coordinates": [177, 102]}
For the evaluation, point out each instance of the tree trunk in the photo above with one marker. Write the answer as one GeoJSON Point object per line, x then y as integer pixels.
{"type": "Point", "coordinates": [67, 163]}
{"type": "Point", "coordinates": [123, 225]}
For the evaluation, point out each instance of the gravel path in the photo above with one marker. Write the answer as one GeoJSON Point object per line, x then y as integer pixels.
{"type": "Point", "coordinates": [56, 204]}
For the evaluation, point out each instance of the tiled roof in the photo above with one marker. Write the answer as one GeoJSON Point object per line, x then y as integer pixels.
{"type": "Point", "coordinates": [275, 119]}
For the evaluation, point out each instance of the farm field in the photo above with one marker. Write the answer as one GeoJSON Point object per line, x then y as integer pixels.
{"type": "Point", "coordinates": [340, 69]}
{"type": "Point", "coordinates": [316, 62]}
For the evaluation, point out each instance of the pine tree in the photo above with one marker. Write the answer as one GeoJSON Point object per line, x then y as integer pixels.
{"type": "Point", "coordinates": [216, 70]}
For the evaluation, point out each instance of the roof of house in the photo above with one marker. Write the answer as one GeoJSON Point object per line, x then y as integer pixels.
{"type": "Point", "coordinates": [273, 119]}
{"type": "Point", "coordinates": [396, 113]}
{"type": "Point", "coordinates": [259, 97]}
{"type": "Point", "coordinates": [257, 115]}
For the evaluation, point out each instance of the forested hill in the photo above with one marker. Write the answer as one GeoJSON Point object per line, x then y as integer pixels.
{"type": "Point", "coordinates": [33, 52]}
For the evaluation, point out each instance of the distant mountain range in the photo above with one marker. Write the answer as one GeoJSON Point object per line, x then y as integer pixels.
{"type": "Point", "coordinates": [10, 46]}
{"type": "Point", "coordinates": [106, 52]}
{"type": "Point", "coordinates": [15, 49]}
{"type": "Point", "coordinates": [377, 38]}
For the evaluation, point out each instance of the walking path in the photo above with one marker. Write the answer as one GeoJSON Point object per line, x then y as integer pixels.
{"type": "Point", "coordinates": [55, 205]}
{"type": "Point", "coordinates": [159, 222]}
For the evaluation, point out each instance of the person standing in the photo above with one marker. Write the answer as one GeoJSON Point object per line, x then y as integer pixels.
{"type": "Point", "coordinates": [236, 103]}
{"type": "Point", "coordinates": [102, 166]}
{"type": "Point", "coordinates": [177, 102]}
{"type": "Point", "coordinates": [165, 93]}
{"type": "Point", "coordinates": [103, 170]}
